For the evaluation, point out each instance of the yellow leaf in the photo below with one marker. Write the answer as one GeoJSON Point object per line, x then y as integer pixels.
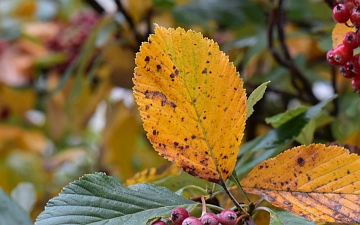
{"type": "Point", "coordinates": [120, 141]}
{"type": "Point", "coordinates": [318, 182]}
{"type": "Point", "coordinates": [153, 174]}
{"type": "Point", "coordinates": [192, 102]}
{"type": "Point", "coordinates": [338, 33]}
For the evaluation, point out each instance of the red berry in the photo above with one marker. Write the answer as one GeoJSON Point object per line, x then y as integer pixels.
{"type": "Point", "coordinates": [178, 215]}
{"type": "Point", "coordinates": [341, 13]}
{"type": "Point", "coordinates": [346, 72]}
{"type": "Point", "coordinates": [191, 221]}
{"type": "Point", "coordinates": [209, 219]}
{"type": "Point", "coordinates": [355, 83]}
{"type": "Point", "coordinates": [356, 2]}
{"type": "Point", "coordinates": [349, 5]}
{"type": "Point", "coordinates": [227, 217]}
{"type": "Point", "coordinates": [351, 40]}
{"type": "Point", "coordinates": [355, 16]}
{"type": "Point", "coordinates": [353, 65]}
{"type": "Point", "coordinates": [342, 54]}
{"type": "Point", "coordinates": [330, 58]}
{"type": "Point", "coordinates": [159, 223]}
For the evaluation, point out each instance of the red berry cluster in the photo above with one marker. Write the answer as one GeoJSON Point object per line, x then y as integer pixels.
{"type": "Point", "coordinates": [180, 216]}
{"type": "Point", "coordinates": [343, 54]}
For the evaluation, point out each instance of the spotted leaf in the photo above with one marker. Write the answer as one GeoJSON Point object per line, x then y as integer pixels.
{"type": "Point", "coordinates": [318, 182]}
{"type": "Point", "coordinates": [192, 102]}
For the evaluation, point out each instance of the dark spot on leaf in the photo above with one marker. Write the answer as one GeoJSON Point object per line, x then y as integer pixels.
{"type": "Point", "coordinates": [235, 89]}
{"type": "Point", "coordinates": [176, 72]}
{"type": "Point", "coordinates": [204, 71]}
{"type": "Point", "coordinates": [185, 139]}
{"type": "Point", "coordinates": [348, 172]}
{"type": "Point", "coordinates": [155, 132]}
{"type": "Point", "coordinates": [309, 178]}
{"type": "Point", "coordinates": [147, 59]}
{"type": "Point", "coordinates": [209, 53]}
{"type": "Point", "coordinates": [182, 119]}
{"type": "Point", "coordinates": [207, 61]}
{"type": "Point", "coordinates": [158, 66]}
{"type": "Point", "coordinates": [193, 136]}
{"type": "Point", "coordinates": [176, 144]}
{"type": "Point", "coordinates": [172, 75]}
{"type": "Point", "coordinates": [204, 118]}
{"type": "Point", "coordinates": [147, 107]}
{"type": "Point", "coordinates": [173, 105]}
{"type": "Point", "coordinates": [260, 167]}
{"type": "Point", "coordinates": [301, 161]}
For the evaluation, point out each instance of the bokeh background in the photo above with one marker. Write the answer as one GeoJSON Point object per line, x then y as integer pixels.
{"type": "Point", "coordinates": [66, 104]}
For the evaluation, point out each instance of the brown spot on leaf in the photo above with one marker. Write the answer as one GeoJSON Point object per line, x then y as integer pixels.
{"type": "Point", "coordinates": [158, 66]}
{"type": "Point", "coordinates": [301, 161]}
{"type": "Point", "coordinates": [193, 136]}
{"type": "Point", "coordinates": [147, 59]}
{"type": "Point", "coordinates": [160, 96]}
{"type": "Point", "coordinates": [204, 71]}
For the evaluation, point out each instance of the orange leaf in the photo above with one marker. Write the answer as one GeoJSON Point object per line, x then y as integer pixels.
{"type": "Point", "coordinates": [317, 182]}
{"type": "Point", "coordinates": [192, 102]}
{"type": "Point", "coordinates": [338, 33]}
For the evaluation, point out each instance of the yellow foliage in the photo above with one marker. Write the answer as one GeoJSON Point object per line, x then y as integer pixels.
{"type": "Point", "coordinates": [317, 182]}
{"type": "Point", "coordinates": [338, 33]}
{"type": "Point", "coordinates": [191, 101]}
{"type": "Point", "coordinates": [153, 174]}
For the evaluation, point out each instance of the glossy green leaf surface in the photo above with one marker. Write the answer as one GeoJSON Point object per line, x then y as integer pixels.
{"type": "Point", "coordinates": [100, 199]}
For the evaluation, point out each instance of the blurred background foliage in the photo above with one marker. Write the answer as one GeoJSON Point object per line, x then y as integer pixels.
{"type": "Point", "coordinates": [66, 105]}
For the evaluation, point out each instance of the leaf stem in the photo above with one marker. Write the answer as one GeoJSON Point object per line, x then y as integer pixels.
{"type": "Point", "coordinates": [227, 191]}
{"type": "Point", "coordinates": [181, 190]}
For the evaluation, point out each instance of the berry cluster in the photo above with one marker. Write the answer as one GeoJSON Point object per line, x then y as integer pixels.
{"type": "Point", "coordinates": [180, 216]}
{"type": "Point", "coordinates": [343, 54]}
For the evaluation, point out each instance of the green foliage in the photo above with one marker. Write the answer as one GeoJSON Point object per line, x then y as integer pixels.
{"type": "Point", "coordinates": [11, 212]}
{"type": "Point", "coordinates": [280, 217]}
{"type": "Point", "coordinates": [100, 199]}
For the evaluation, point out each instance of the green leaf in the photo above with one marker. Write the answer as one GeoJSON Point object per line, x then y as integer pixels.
{"type": "Point", "coordinates": [225, 13]}
{"type": "Point", "coordinates": [280, 217]}
{"type": "Point", "coordinates": [99, 199]}
{"type": "Point", "coordinates": [11, 212]}
{"type": "Point", "coordinates": [282, 118]}
{"type": "Point", "coordinates": [254, 97]}
{"type": "Point", "coordinates": [275, 141]}
{"type": "Point", "coordinates": [25, 195]}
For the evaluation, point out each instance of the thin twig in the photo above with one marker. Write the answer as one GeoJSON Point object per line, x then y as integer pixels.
{"type": "Point", "coordinates": [298, 80]}
{"type": "Point", "coordinates": [236, 203]}
{"type": "Point", "coordinates": [130, 21]}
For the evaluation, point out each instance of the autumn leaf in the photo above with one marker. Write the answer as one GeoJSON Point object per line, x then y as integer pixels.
{"type": "Point", "coordinates": [192, 102]}
{"type": "Point", "coordinates": [338, 33]}
{"type": "Point", "coordinates": [318, 182]}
